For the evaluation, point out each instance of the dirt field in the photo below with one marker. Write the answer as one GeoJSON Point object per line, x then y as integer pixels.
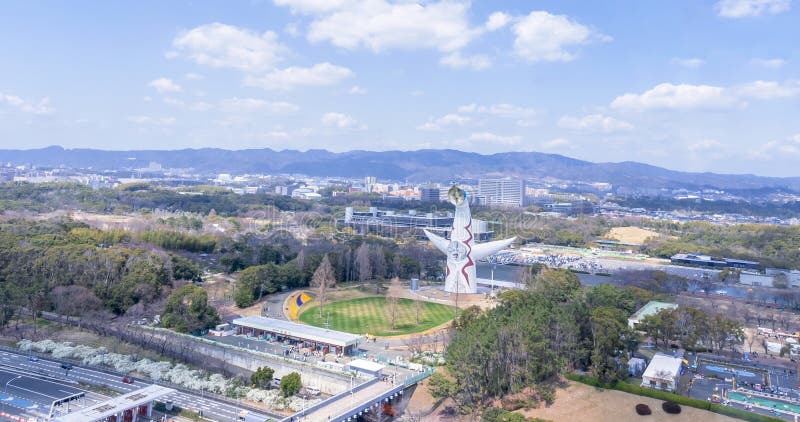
{"type": "Point", "coordinates": [632, 234]}
{"type": "Point", "coordinates": [579, 402]}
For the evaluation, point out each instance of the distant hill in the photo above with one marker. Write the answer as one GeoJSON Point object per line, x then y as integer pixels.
{"type": "Point", "coordinates": [421, 165]}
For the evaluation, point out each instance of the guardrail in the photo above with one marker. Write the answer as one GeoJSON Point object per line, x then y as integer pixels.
{"type": "Point", "coordinates": [330, 400]}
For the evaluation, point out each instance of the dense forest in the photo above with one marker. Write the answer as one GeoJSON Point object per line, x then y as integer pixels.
{"type": "Point", "coordinates": [47, 197]}
{"type": "Point", "coordinates": [68, 267]}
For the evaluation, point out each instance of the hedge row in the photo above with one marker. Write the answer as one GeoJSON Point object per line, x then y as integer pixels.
{"type": "Point", "coordinates": [663, 395]}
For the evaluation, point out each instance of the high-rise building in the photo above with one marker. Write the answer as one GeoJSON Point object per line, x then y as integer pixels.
{"type": "Point", "coordinates": [429, 194]}
{"type": "Point", "coordinates": [369, 183]}
{"type": "Point", "coordinates": [502, 191]}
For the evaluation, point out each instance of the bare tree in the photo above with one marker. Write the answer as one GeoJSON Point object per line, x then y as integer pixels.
{"type": "Point", "coordinates": [393, 297]}
{"type": "Point", "coordinates": [363, 263]}
{"type": "Point", "coordinates": [323, 278]}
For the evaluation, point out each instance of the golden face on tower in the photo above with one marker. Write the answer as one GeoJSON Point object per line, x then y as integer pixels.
{"type": "Point", "coordinates": [456, 196]}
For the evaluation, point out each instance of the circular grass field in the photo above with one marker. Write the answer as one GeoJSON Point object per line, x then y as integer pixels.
{"type": "Point", "coordinates": [372, 315]}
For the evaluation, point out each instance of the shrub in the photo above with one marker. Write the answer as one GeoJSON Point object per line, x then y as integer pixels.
{"type": "Point", "coordinates": [643, 409]}
{"type": "Point", "coordinates": [290, 384]}
{"type": "Point", "coordinates": [671, 407]}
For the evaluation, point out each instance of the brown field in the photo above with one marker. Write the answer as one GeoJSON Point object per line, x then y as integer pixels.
{"type": "Point", "coordinates": [631, 234]}
{"type": "Point", "coordinates": [577, 402]}
{"type": "Point", "coordinates": [580, 402]}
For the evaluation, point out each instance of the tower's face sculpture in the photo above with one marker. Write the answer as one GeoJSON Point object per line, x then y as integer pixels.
{"type": "Point", "coordinates": [456, 196]}
{"type": "Point", "coordinates": [461, 250]}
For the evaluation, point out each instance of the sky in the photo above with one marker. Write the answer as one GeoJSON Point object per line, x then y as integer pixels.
{"type": "Point", "coordinates": [686, 84]}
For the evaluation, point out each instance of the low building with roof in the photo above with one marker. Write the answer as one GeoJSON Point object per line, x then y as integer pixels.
{"type": "Point", "coordinates": [650, 308]}
{"type": "Point", "coordinates": [366, 367]}
{"type": "Point", "coordinates": [320, 339]}
{"type": "Point", "coordinates": [134, 406]}
{"type": "Point", "coordinates": [662, 373]}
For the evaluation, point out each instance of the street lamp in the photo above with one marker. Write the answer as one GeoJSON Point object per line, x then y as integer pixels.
{"type": "Point", "coordinates": [9, 382]}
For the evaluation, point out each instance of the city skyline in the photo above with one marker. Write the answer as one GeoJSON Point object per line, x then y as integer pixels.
{"type": "Point", "coordinates": [713, 84]}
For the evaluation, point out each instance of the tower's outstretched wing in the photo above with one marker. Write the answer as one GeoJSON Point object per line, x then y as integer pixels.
{"type": "Point", "coordinates": [482, 250]}
{"type": "Point", "coordinates": [438, 241]}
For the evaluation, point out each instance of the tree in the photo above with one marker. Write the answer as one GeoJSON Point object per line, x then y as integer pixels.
{"type": "Point", "coordinates": [363, 263]}
{"type": "Point", "coordinates": [322, 279]}
{"type": "Point", "coordinates": [253, 282]}
{"type": "Point", "coordinates": [187, 310]}
{"type": "Point", "coordinates": [609, 331]}
{"type": "Point", "coordinates": [262, 377]}
{"type": "Point", "coordinates": [291, 384]}
{"type": "Point", "coordinates": [780, 280]}
{"type": "Point", "coordinates": [392, 297]}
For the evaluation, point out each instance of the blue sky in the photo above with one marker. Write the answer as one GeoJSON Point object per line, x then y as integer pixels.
{"type": "Point", "coordinates": [688, 85]}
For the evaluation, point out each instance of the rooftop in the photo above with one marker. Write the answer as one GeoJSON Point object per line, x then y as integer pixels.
{"type": "Point", "coordinates": [366, 365]}
{"type": "Point", "coordinates": [117, 404]}
{"type": "Point", "coordinates": [292, 329]}
{"type": "Point", "coordinates": [663, 367]}
{"type": "Point", "coordinates": [650, 308]}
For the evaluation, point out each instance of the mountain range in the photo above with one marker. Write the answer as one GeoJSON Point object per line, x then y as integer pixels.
{"type": "Point", "coordinates": [420, 166]}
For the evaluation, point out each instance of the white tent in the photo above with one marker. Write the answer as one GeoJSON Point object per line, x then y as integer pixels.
{"type": "Point", "coordinates": [662, 373]}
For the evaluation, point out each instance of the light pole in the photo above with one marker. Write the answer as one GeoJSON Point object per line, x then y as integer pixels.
{"type": "Point", "coordinates": [9, 382]}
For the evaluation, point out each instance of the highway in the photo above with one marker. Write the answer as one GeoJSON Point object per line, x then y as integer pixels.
{"type": "Point", "coordinates": [211, 408]}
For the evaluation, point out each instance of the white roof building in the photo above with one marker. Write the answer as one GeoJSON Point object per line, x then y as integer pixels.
{"type": "Point", "coordinates": [662, 373]}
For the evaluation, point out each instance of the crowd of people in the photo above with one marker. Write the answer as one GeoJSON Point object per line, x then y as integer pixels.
{"type": "Point", "coordinates": [569, 262]}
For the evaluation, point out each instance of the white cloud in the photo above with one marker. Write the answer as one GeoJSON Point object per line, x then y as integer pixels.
{"type": "Point", "coordinates": [750, 8]}
{"type": "Point", "coordinates": [497, 20]}
{"type": "Point", "coordinates": [446, 120]}
{"type": "Point", "coordinates": [379, 25]}
{"type": "Point", "coordinates": [193, 76]}
{"type": "Point", "coordinates": [313, 6]}
{"type": "Point", "coordinates": [220, 45]}
{"type": "Point", "coordinates": [163, 85]}
{"type": "Point", "coordinates": [338, 120]}
{"type": "Point", "coordinates": [765, 90]}
{"type": "Point", "coordinates": [41, 108]}
{"type": "Point", "coordinates": [200, 106]}
{"type": "Point", "coordinates": [357, 90]}
{"type": "Point", "coordinates": [173, 101]}
{"type": "Point", "coordinates": [500, 110]}
{"type": "Point", "coordinates": [769, 63]}
{"type": "Point", "coordinates": [321, 74]}
{"type": "Point", "coordinates": [495, 138]}
{"type": "Point", "coordinates": [594, 123]}
{"type": "Point", "coordinates": [787, 146]}
{"type": "Point", "coordinates": [457, 61]}
{"type": "Point", "coordinates": [556, 143]}
{"type": "Point", "coordinates": [704, 145]}
{"type": "Point", "coordinates": [691, 63]}
{"type": "Point", "coordinates": [543, 37]}
{"type": "Point", "coordinates": [249, 105]}
{"type": "Point", "coordinates": [683, 96]}
{"type": "Point", "coordinates": [151, 121]}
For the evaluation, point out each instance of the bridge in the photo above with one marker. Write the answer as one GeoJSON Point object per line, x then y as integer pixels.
{"type": "Point", "coordinates": [365, 397]}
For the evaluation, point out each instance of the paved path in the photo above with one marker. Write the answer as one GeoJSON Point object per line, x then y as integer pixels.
{"type": "Point", "coordinates": [346, 403]}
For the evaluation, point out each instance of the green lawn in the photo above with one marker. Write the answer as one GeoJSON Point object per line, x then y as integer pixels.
{"type": "Point", "coordinates": [372, 315]}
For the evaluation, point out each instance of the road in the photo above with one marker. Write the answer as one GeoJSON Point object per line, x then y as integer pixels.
{"type": "Point", "coordinates": [212, 409]}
